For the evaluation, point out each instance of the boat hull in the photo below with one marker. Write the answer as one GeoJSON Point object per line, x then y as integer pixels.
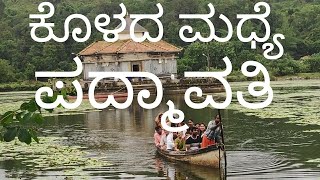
{"type": "Point", "coordinates": [210, 156]}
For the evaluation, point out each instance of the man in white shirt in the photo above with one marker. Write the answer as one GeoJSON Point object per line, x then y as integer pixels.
{"type": "Point", "coordinates": [163, 141]}
{"type": "Point", "coordinates": [170, 142]}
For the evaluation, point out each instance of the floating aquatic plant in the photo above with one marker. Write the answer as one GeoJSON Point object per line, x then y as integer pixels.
{"type": "Point", "coordinates": [300, 106]}
{"type": "Point", "coordinates": [50, 155]}
{"type": "Point", "coordinates": [296, 101]}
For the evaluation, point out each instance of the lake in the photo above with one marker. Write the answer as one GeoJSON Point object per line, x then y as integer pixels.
{"type": "Point", "coordinates": [278, 142]}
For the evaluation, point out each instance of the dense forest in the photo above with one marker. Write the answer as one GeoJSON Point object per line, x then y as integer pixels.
{"type": "Point", "coordinates": [298, 20]}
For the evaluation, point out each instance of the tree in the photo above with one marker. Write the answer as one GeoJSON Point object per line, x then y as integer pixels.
{"type": "Point", "coordinates": [2, 7]}
{"type": "Point", "coordinates": [200, 53]}
{"type": "Point", "coordinates": [313, 63]}
{"type": "Point", "coordinates": [298, 20]}
{"type": "Point", "coordinates": [6, 72]}
{"type": "Point", "coordinates": [30, 71]}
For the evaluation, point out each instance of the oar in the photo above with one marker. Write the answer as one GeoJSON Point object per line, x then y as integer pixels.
{"type": "Point", "coordinates": [224, 148]}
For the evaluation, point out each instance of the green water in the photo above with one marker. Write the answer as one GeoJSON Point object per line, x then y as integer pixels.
{"type": "Point", "coordinates": [278, 142]}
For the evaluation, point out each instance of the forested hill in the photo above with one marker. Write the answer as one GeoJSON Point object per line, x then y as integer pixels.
{"type": "Point", "coordinates": [298, 20]}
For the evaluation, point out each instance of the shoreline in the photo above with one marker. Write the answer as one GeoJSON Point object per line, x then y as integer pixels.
{"type": "Point", "coordinates": [35, 85]}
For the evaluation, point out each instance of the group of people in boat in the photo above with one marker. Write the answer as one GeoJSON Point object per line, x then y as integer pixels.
{"type": "Point", "coordinates": [197, 136]}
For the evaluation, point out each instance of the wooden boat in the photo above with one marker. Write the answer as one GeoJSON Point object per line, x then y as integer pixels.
{"type": "Point", "coordinates": [209, 156]}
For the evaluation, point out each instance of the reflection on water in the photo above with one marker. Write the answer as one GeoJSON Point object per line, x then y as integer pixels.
{"type": "Point", "coordinates": [264, 165]}
{"type": "Point", "coordinates": [179, 171]}
{"type": "Point", "coordinates": [256, 149]}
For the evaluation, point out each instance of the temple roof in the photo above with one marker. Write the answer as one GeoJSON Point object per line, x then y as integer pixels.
{"type": "Point", "coordinates": [137, 28]}
{"type": "Point", "coordinates": [128, 46]}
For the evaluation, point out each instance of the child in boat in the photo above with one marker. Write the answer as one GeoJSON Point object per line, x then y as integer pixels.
{"type": "Point", "coordinates": [194, 141]}
{"type": "Point", "coordinates": [212, 133]}
{"type": "Point", "coordinates": [180, 142]}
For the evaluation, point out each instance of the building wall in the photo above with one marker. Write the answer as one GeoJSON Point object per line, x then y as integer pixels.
{"type": "Point", "coordinates": [105, 67]}
{"type": "Point", "coordinates": [156, 66]}
{"type": "Point", "coordinates": [161, 66]}
{"type": "Point", "coordinates": [125, 57]}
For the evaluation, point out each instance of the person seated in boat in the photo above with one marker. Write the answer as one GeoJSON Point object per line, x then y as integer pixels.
{"type": "Point", "coordinates": [170, 141]}
{"type": "Point", "coordinates": [194, 141]}
{"type": "Point", "coordinates": [202, 129]}
{"type": "Point", "coordinates": [180, 142]}
{"type": "Point", "coordinates": [157, 136]}
{"type": "Point", "coordinates": [197, 125]}
{"type": "Point", "coordinates": [187, 135]}
{"type": "Point", "coordinates": [212, 133]}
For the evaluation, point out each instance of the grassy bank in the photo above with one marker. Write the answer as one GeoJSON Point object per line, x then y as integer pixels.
{"type": "Point", "coordinates": [236, 76]}
{"type": "Point", "coordinates": [239, 77]}
{"type": "Point", "coordinates": [22, 86]}
{"type": "Point", "coordinates": [300, 76]}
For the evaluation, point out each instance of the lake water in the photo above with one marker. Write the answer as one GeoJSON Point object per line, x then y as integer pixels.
{"type": "Point", "coordinates": [260, 145]}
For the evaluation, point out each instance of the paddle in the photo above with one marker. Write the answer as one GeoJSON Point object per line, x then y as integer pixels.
{"type": "Point", "coordinates": [224, 148]}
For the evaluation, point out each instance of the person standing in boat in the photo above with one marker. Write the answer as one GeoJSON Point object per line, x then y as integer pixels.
{"type": "Point", "coordinates": [190, 123]}
{"type": "Point", "coordinates": [194, 141]}
{"type": "Point", "coordinates": [157, 120]}
{"type": "Point", "coordinates": [213, 133]}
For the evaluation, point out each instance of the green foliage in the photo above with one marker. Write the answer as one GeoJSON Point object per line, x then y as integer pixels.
{"type": "Point", "coordinates": [2, 6]}
{"type": "Point", "coordinates": [313, 63]}
{"type": "Point", "coordinates": [285, 67]}
{"type": "Point", "coordinates": [6, 72]}
{"type": "Point", "coordinates": [198, 54]}
{"type": "Point", "coordinates": [298, 20]}
{"type": "Point", "coordinates": [299, 27]}
{"type": "Point", "coordinates": [22, 122]}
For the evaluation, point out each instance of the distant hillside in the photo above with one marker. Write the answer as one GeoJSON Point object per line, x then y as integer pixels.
{"type": "Point", "coordinates": [298, 20]}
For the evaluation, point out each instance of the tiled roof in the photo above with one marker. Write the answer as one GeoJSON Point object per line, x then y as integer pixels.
{"type": "Point", "coordinates": [137, 28]}
{"type": "Point", "coordinates": [128, 46]}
